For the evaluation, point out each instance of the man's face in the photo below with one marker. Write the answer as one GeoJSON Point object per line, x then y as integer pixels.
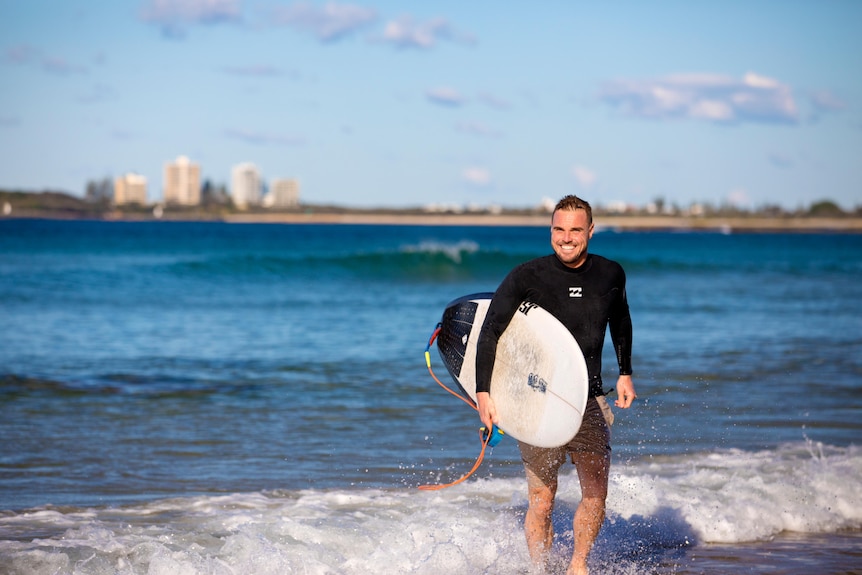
{"type": "Point", "coordinates": [570, 235]}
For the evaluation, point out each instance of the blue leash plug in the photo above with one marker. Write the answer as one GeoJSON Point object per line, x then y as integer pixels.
{"type": "Point", "coordinates": [496, 435]}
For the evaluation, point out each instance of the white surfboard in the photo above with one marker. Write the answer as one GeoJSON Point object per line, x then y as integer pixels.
{"type": "Point", "coordinates": [540, 381]}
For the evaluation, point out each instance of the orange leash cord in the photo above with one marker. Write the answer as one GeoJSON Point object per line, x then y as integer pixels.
{"type": "Point", "coordinates": [485, 439]}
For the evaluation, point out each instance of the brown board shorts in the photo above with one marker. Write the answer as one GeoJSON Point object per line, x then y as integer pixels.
{"type": "Point", "coordinates": [593, 437]}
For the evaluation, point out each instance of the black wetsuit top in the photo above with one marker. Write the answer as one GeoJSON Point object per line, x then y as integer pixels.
{"type": "Point", "coordinates": [586, 300]}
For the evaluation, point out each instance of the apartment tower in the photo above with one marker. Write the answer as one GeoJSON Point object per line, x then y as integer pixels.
{"type": "Point", "coordinates": [283, 193]}
{"type": "Point", "coordinates": [245, 185]}
{"type": "Point", "coordinates": [130, 189]}
{"type": "Point", "coordinates": [182, 182]}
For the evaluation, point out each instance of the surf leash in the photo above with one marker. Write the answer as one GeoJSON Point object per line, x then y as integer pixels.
{"type": "Point", "coordinates": [488, 439]}
{"type": "Point", "coordinates": [431, 340]}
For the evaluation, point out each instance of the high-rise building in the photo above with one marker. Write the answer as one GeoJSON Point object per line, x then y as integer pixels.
{"type": "Point", "coordinates": [283, 193]}
{"type": "Point", "coordinates": [182, 182]}
{"type": "Point", "coordinates": [245, 185]}
{"type": "Point", "coordinates": [130, 189]}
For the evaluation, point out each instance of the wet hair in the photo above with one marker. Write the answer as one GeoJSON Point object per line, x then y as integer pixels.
{"type": "Point", "coordinates": [571, 203]}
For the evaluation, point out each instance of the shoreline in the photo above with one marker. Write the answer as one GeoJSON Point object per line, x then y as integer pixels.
{"type": "Point", "coordinates": [614, 223]}
{"type": "Point", "coordinates": [622, 223]}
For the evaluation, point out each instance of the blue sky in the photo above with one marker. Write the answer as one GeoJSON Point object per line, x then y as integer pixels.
{"type": "Point", "coordinates": [383, 103]}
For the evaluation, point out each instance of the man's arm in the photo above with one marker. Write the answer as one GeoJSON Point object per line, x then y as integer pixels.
{"type": "Point", "coordinates": [620, 323]}
{"type": "Point", "coordinates": [502, 308]}
{"type": "Point", "coordinates": [486, 350]}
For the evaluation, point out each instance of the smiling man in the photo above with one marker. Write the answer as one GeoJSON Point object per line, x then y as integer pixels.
{"type": "Point", "coordinates": [587, 293]}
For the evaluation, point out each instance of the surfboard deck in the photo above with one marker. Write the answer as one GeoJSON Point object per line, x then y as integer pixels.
{"type": "Point", "coordinates": [540, 381]}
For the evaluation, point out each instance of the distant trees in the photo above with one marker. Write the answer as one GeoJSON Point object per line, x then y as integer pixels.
{"type": "Point", "coordinates": [212, 194]}
{"type": "Point", "coordinates": [825, 208]}
{"type": "Point", "coordinates": [659, 206]}
{"type": "Point", "coordinates": [35, 203]}
{"type": "Point", "coordinates": [99, 191]}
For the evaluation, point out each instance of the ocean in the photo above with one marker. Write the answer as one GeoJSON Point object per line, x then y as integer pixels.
{"type": "Point", "coordinates": [210, 398]}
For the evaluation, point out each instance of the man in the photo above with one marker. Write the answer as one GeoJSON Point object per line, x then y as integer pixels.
{"type": "Point", "coordinates": [587, 293]}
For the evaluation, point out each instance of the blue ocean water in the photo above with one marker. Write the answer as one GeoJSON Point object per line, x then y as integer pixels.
{"type": "Point", "coordinates": [217, 398]}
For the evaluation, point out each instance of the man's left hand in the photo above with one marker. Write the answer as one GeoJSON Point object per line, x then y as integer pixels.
{"type": "Point", "coordinates": [625, 392]}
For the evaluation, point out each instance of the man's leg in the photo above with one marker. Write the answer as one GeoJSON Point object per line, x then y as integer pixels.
{"type": "Point", "coordinates": [593, 471]}
{"type": "Point", "coordinates": [538, 526]}
{"type": "Point", "coordinates": [591, 454]}
{"type": "Point", "coordinates": [542, 466]}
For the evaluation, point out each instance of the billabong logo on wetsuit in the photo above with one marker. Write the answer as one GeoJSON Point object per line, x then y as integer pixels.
{"type": "Point", "coordinates": [537, 383]}
{"type": "Point", "coordinates": [576, 292]}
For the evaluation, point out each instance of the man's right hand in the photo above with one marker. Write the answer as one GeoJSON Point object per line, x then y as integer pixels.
{"type": "Point", "coordinates": [487, 409]}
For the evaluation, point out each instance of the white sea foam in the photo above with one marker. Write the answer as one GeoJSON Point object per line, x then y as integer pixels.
{"type": "Point", "coordinates": [452, 250]}
{"type": "Point", "coordinates": [655, 506]}
{"type": "Point", "coordinates": [735, 496]}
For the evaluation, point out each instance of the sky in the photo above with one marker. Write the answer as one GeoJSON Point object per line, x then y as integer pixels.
{"type": "Point", "coordinates": [474, 103]}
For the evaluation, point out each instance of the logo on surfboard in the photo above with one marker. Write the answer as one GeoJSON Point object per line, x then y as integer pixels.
{"type": "Point", "coordinates": [526, 306]}
{"type": "Point", "coordinates": [537, 383]}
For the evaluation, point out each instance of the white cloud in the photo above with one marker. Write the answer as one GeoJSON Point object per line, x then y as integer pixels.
{"type": "Point", "coordinates": [758, 81]}
{"type": "Point", "coordinates": [174, 15]}
{"type": "Point", "coordinates": [715, 110]}
{"type": "Point", "coordinates": [406, 33]}
{"type": "Point", "coordinates": [710, 97]}
{"type": "Point", "coordinates": [585, 176]}
{"type": "Point", "coordinates": [329, 23]}
{"type": "Point", "coordinates": [477, 176]}
{"type": "Point", "coordinates": [445, 96]}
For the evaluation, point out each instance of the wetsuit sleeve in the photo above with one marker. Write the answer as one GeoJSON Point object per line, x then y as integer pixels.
{"type": "Point", "coordinates": [503, 306]}
{"type": "Point", "coordinates": [620, 324]}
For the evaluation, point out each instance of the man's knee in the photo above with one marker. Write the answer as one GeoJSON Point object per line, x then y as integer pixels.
{"type": "Point", "coordinates": [541, 500]}
{"type": "Point", "coordinates": [594, 505]}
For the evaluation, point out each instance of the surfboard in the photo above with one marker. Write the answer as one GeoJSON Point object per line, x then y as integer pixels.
{"type": "Point", "coordinates": [540, 381]}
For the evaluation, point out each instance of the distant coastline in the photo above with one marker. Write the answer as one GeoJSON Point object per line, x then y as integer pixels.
{"type": "Point", "coordinates": [17, 205]}
{"type": "Point", "coordinates": [719, 224]}
{"type": "Point", "coordinates": [606, 222]}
